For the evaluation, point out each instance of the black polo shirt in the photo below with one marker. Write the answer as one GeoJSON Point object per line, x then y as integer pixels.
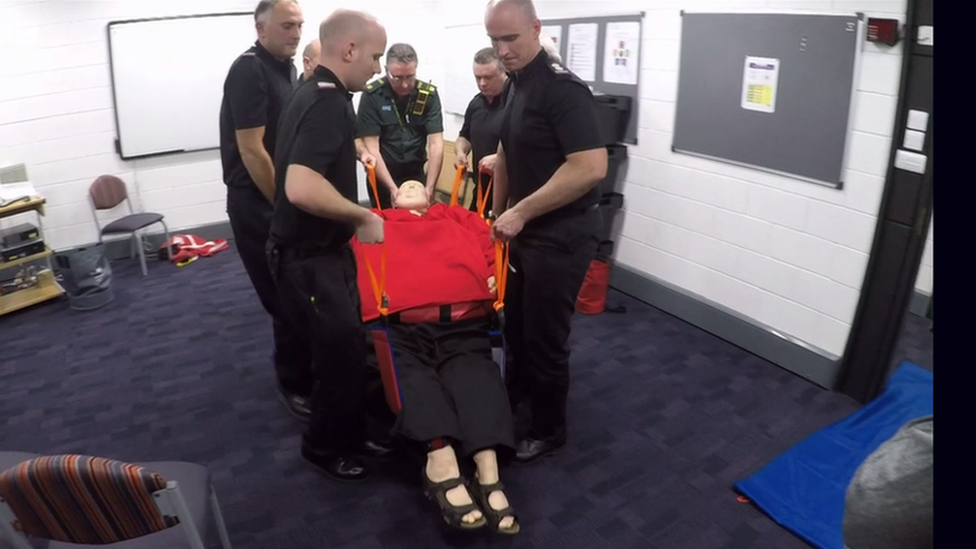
{"type": "Point", "coordinates": [255, 92]}
{"type": "Point", "coordinates": [482, 126]}
{"type": "Point", "coordinates": [318, 130]}
{"type": "Point", "coordinates": [549, 114]}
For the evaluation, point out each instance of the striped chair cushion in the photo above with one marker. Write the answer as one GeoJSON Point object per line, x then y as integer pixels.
{"type": "Point", "coordinates": [83, 499]}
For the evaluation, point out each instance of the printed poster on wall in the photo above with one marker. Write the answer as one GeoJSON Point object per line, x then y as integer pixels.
{"type": "Point", "coordinates": [759, 82]}
{"type": "Point", "coordinates": [581, 50]}
{"type": "Point", "coordinates": [621, 52]}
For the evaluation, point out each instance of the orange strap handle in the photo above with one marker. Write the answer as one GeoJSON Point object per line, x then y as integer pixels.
{"type": "Point", "coordinates": [458, 180]}
{"type": "Point", "coordinates": [501, 269]}
{"type": "Point", "coordinates": [371, 176]}
{"type": "Point", "coordinates": [483, 200]}
{"type": "Point", "coordinates": [379, 286]}
{"type": "Point", "coordinates": [501, 274]}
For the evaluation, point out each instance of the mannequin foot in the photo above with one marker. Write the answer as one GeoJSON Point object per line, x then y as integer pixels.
{"type": "Point", "coordinates": [498, 502]}
{"type": "Point", "coordinates": [491, 495]}
{"type": "Point", "coordinates": [442, 467]}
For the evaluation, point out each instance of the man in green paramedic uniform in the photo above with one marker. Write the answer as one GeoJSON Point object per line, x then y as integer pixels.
{"type": "Point", "coordinates": [400, 126]}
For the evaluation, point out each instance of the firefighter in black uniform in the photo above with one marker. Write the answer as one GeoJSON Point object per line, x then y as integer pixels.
{"type": "Point", "coordinates": [482, 124]}
{"type": "Point", "coordinates": [400, 122]}
{"type": "Point", "coordinates": [256, 89]}
{"type": "Point", "coordinates": [316, 215]}
{"type": "Point", "coordinates": [550, 161]}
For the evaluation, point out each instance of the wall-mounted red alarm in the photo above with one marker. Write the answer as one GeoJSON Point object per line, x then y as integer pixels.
{"type": "Point", "coordinates": [884, 31]}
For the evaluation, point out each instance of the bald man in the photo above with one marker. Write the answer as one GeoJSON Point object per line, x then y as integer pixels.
{"type": "Point", "coordinates": [310, 59]}
{"type": "Point", "coordinates": [549, 162]}
{"type": "Point", "coordinates": [316, 215]}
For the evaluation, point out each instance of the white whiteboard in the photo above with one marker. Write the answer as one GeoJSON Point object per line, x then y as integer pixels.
{"type": "Point", "coordinates": [168, 78]}
{"type": "Point", "coordinates": [461, 86]}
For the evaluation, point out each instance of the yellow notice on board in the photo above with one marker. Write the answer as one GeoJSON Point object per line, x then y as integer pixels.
{"type": "Point", "coordinates": [759, 82]}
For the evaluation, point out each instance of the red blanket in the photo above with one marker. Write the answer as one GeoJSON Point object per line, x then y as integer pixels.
{"type": "Point", "coordinates": [186, 247]}
{"type": "Point", "coordinates": [441, 258]}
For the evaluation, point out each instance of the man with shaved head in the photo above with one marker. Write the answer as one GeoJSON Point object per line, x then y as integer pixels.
{"type": "Point", "coordinates": [316, 215]}
{"type": "Point", "coordinates": [310, 59]}
{"type": "Point", "coordinates": [550, 159]}
{"type": "Point", "coordinates": [256, 89]}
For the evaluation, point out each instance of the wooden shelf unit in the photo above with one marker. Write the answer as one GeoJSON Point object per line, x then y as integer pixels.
{"type": "Point", "coordinates": [47, 287]}
{"type": "Point", "coordinates": [48, 252]}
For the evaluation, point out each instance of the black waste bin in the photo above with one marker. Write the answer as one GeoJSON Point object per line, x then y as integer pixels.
{"type": "Point", "coordinates": [613, 113]}
{"type": "Point", "coordinates": [86, 276]}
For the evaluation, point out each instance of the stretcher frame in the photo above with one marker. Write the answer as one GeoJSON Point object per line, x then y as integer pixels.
{"type": "Point", "coordinates": [379, 329]}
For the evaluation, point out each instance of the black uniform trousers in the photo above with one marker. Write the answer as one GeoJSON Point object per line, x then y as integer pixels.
{"type": "Point", "coordinates": [450, 387]}
{"type": "Point", "coordinates": [550, 261]}
{"type": "Point", "coordinates": [320, 294]}
{"type": "Point", "coordinates": [399, 173]}
{"type": "Point", "coordinates": [250, 221]}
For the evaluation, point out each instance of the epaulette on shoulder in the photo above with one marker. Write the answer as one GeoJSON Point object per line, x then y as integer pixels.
{"type": "Point", "coordinates": [425, 86]}
{"type": "Point", "coordinates": [372, 87]}
{"type": "Point", "coordinates": [559, 69]}
{"type": "Point", "coordinates": [248, 54]}
{"type": "Point", "coordinates": [326, 86]}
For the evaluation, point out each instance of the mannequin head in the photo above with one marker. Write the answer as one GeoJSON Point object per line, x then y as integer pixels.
{"type": "Point", "coordinates": [412, 196]}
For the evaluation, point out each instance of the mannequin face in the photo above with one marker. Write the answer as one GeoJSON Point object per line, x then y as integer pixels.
{"type": "Point", "coordinates": [412, 196]}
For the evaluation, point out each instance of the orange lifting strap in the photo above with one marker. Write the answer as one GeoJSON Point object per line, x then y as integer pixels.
{"type": "Point", "coordinates": [482, 199]}
{"type": "Point", "coordinates": [379, 287]}
{"type": "Point", "coordinates": [501, 250]}
{"type": "Point", "coordinates": [458, 180]}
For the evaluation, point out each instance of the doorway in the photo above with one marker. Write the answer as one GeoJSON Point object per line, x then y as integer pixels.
{"type": "Point", "coordinates": [883, 316]}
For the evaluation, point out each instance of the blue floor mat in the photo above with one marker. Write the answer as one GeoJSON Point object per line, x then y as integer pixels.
{"type": "Point", "coordinates": [804, 488]}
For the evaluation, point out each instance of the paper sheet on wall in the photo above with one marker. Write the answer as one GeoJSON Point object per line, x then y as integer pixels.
{"type": "Point", "coordinates": [581, 50]}
{"type": "Point", "coordinates": [759, 81]}
{"type": "Point", "coordinates": [555, 32]}
{"type": "Point", "coordinates": [621, 51]}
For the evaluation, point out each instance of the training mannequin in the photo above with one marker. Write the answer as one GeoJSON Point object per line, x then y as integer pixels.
{"type": "Point", "coordinates": [414, 198]}
{"type": "Point", "coordinates": [440, 285]}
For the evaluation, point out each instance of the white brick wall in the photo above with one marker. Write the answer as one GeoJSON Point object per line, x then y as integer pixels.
{"type": "Point", "coordinates": [56, 106]}
{"type": "Point", "coordinates": [789, 254]}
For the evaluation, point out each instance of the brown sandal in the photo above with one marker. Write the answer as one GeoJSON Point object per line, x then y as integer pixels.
{"type": "Point", "coordinates": [452, 514]}
{"type": "Point", "coordinates": [495, 516]}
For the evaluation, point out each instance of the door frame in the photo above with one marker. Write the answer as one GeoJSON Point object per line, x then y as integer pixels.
{"type": "Point", "coordinates": [900, 233]}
